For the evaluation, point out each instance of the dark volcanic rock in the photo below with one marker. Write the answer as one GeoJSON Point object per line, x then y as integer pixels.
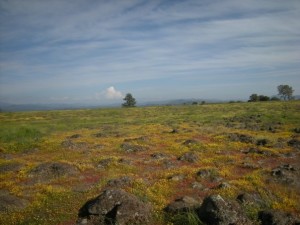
{"type": "Point", "coordinates": [273, 217]}
{"type": "Point", "coordinates": [129, 147]}
{"type": "Point", "coordinates": [10, 167]}
{"type": "Point", "coordinates": [189, 157]}
{"type": "Point", "coordinates": [52, 170]}
{"type": "Point", "coordinates": [294, 143]}
{"type": "Point", "coordinates": [241, 138]}
{"type": "Point", "coordinates": [114, 206]}
{"type": "Point", "coordinates": [190, 142]}
{"type": "Point", "coordinates": [159, 155]}
{"type": "Point", "coordinates": [286, 174]}
{"type": "Point", "coordinates": [263, 142]}
{"type": "Point", "coordinates": [174, 131]}
{"type": "Point", "coordinates": [74, 145]}
{"type": "Point", "coordinates": [184, 204]}
{"type": "Point", "coordinates": [254, 151]}
{"type": "Point", "coordinates": [176, 177]}
{"type": "Point", "coordinates": [216, 211]}
{"type": "Point", "coordinates": [75, 136]}
{"type": "Point", "coordinates": [246, 198]}
{"type": "Point", "coordinates": [119, 182]}
{"type": "Point", "coordinates": [212, 174]}
{"type": "Point", "coordinates": [104, 163]}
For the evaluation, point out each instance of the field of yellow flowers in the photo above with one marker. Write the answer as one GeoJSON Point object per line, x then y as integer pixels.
{"type": "Point", "coordinates": [52, 162]}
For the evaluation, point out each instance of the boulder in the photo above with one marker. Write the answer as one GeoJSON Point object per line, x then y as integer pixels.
{"type": "Point", "coordinates": [184, 204]}
{"type": "Point", "coordinates": [216, 211]}
{"type": "Point", "coordinates": [241, 138]}
{"type": "Point", "coordinates": [177, 177]}
{"type": "Point", "coordinates": [104, 163]}
{"type": "Point", "coordinates": [114, 206]}
{"type": "Point", "coordinates": [75, 136]}
{"type": "Point", "coordinates": [120, 182]}
{"type": "Point", "coordinates": [69, 144]}
{"type": "Point", "coordinates": [295, 143]}
{"type": "Point", "coordinates": [129, 147]}
{"type": "Point", "coordinates": [274, 217]}
{"type": "Point", "coordinates": [51, 170]}
{"type": "Point", "coordinates": [190, 142]}
{"type": "Point", "coordinates": [159, 155]}
{"type": "Point", "coordinates": [189, 157]}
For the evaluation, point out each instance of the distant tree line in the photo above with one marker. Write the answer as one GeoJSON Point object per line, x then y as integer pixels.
{"type": "Point", "coordinates": [285, 92]}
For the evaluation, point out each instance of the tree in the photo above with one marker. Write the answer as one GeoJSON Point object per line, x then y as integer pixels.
{"type": "Point", "coordinates": [263, 98]}
{"type": "Point", "coordinates": [129, 101]}
{"type": "Point", "coordinates": [253, 98]}
{"type": "Point", "coordinates": [285, 92]}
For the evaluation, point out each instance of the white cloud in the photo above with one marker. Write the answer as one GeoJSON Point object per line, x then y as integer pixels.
{"type": "Point", "coordinates": [112, 93]}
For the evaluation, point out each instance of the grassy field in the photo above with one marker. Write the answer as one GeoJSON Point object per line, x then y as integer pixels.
{"type": "Point", "coordinates": [240, 143]}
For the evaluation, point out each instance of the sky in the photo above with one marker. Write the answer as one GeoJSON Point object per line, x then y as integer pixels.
{"type": "Point", "coordinates": [96, 51]}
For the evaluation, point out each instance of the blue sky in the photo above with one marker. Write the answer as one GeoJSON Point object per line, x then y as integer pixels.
{"type": "Point", "coordinates": [96, 51]}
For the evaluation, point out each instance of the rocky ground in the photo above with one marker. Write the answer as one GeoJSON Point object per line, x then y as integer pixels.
{"type": "Point", "coordinates": [240, 166]}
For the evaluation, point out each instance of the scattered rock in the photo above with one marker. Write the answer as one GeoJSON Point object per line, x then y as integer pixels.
{"type": "Point", "coordinates": [197, 185]}
{"type": "Point", "coordinates": [125, 161]}
{"type": "Point", "coordinates": [75, 136]}
{"type": "Point", "coordinates": [297, 130]}
{"type": "Point", "coordinates": [120, 182]}
{"type": "Point", "coordinates": [52, 170]}
{"type": "Point", "coordinates": [207, 173]}
{"type": "Point", "coordinates": [30, 151]}
{"type": "Point", "coordinates": [128, 147]}
{"type": "Point", "coordinates": [294, 143]}
{"type": "Point", "coordinates": [138, 139]}
{"type": "Point", "coordinates": [104, 163]}
{"type": "Point", "coordinates": [99, 135]}
{"type": "Point", "coordinates": [241, 138]}
{"type": "Point", "coordinates": [216, 211]}
{"type": "Point", "coordinates": [159, 156]}
{"type": "Point", "coordinates": [286, 174]}
{"type": "Point", "coordinates": [254, 151]}
{"type": "Point", "coordinates": [74, 145]}
{"type": "Point", "coordinates": [184, 204]}
{"type": "Point", "coordinates": [189, 157]}
{"type": "Point", "coordinates": [114, 206]}
{"type": "Point", "coordinates": [273, 217]}
{"type": "Point", "coordinates": [10, 167]}
{"type": "Point", "coordinates": [190, 142]}
{"type": "Point", "coordinates": [176, 177]}
{"type": "Point", "coordinates": [99, 146]}
{"type": "Point", "coordinates": [263, 142]}
{"type": "Point", "coordinates": [246, 198]}
{"type": "Point", "coordinates": [224, 185]}
{"type": "Point", "coordinates": [10, 202]}
{"type": "Point", "coordinates": [174, 131]}
{"type": "Point", "coordinates": [250, 165]}
{"type": "Point", "coordinates": [168, 164]}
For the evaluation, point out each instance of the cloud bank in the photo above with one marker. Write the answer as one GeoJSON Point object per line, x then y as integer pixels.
{"type": "Point", "coordinates": [112, 93]}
